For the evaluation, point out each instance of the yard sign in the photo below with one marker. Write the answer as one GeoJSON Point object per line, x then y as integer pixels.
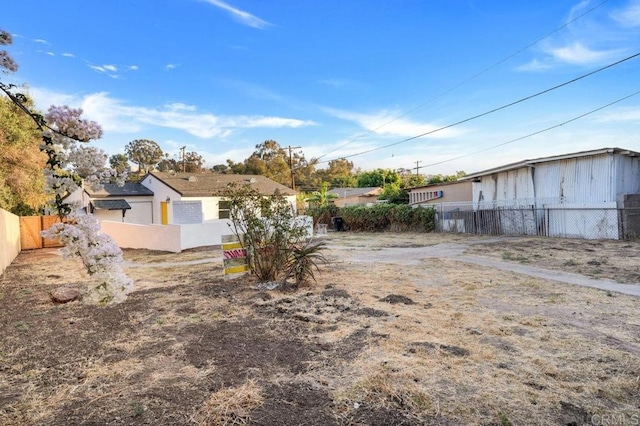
{"type": "Point", "coordinates": [234, 256]}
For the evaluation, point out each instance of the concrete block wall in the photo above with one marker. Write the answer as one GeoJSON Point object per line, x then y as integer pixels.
{"type": "Point", "coordinates": [187, 212]}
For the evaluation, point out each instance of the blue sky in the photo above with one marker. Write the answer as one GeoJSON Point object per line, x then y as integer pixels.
{"type": "Point", "coordinates": [337, 77]}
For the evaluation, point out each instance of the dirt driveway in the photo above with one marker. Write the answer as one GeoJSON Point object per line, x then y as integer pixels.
{"type": "Point", "coordinates": [400, 329]}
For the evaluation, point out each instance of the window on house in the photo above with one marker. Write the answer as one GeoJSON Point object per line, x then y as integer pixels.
{"type": "Point", "coordinates": [223, 209]}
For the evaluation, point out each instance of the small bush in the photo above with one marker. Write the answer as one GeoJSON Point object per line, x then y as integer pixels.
{"type": "Point", "coordinates": [323, 214]}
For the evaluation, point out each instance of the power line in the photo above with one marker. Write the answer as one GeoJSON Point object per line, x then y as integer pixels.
{"type": "Point", "coordinates": [537, 132]}
{"type": "Point", "coordinates": [468, 79]}
{"type": "Point", "coordinates": [526, 98]}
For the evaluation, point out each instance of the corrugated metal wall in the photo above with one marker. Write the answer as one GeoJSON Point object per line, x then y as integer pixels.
{"type": "Point", "coordinates": [512, 185]}
{"type": "Point", "coordinates": [627, 172]}
{"type": "Point", "coordinates": [590, 179]}
{"type": "Point", "coordinates": [577, 180]}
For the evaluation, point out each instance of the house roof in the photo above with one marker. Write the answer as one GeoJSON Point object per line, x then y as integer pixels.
{"type": "Point", "coordinates": [356, 192]}
{"type": "Point", "coordinates": [533, 162]}
{"type": "Point", "coordinates": [130, 189]}
{"type": "Point", "coordinates": [210, 184]}
{"type": "Point", "coordinates": [111, 205]}
{"type": "Point", "coordinates": [432, 185]}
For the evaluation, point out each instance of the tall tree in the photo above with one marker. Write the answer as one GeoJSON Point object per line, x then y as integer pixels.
{"type": "Point", "coordinates": [145, 153]}
{"type": "Point", "coordinates": [22, 189]}
{"type": "Point", "coordinates": [378, 177]}
{"type": "Point", "coordinates": [411, 181]}
{"type": "Point", "coordinates": [168, 164]}
{"type": "Point", "coordinates": [119, 163]}
{"type": "Point", "coordinates": [339, 174]}
{"type": "Point", "coordinates": [221, 168]}
{"type": "Point", "coordinates": [193, 162]}
{"type": "Point", "coordinates": [270, 160]}
{"type": "Point", "coordinates": [446, 178]}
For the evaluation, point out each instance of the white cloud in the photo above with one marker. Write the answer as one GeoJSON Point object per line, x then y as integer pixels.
{"type": "Point", "coordinates": [628, 16]}
{"type": "Point", "coordinates": [388, 123]}
{"type": "Point", "coordinates": [69, 55]}
{"type": "Point", "coordinates": [50, 53]}
{"type": "Point", "coordinates": [622, 114]}
{"type": "Point", "coordinates": [179, 106]}
{"type": "Point", "coordinates": [116, 116]}
{"type": "Point", "coordinates": [170, 66]}
{"type": "Point", "coordinates": [133, 67]}
{"type": "Point", "coordinates": [577, 10]}
{"type": "Point", "coordinates": [97, 68]}
{"type": "Point", "coordinates": [241, 16]}
{"type": "Point", "coordinates": [535, 65]}
{"type": "Point", "coordinates": [106, 69]}
{"type": "Point", "coordinates": [45, 98]}
{"type": "Point", "coordinates": [41, 41]}
{"type": "Point", "coordinates": [336, 83]}
{"type": "Point", "coordinates": [577, 54]}
{"type": "Point", "coordinates": [593, 36]}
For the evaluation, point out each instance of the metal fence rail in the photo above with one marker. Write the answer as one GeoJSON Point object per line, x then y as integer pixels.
{"type": "Point", "coordinates": [567, 222]}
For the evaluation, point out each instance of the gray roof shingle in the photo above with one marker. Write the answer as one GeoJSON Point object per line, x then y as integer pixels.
{"type": "Point", "coordinates": [130, 189]}
{"type": "Point", "coordinates": [211, 184]}
{"type": "Point", "coordinates": [111, 205]}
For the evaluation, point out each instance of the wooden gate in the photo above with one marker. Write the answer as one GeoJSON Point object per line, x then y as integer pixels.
{"type": "Point", "coordinates": [30, 228]}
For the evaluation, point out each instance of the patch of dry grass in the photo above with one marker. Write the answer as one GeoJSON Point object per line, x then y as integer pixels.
{"type": "Point", "coordinates": [230, 406]}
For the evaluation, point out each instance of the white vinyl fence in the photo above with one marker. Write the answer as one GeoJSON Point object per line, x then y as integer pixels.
{"type": "Point", "coordinates": [9, 238]}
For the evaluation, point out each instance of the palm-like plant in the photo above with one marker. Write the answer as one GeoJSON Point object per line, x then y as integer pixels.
{"type": "Point", "coordinates": [305, 259]}
{"type": "Point", "coordinates": [321, 198]}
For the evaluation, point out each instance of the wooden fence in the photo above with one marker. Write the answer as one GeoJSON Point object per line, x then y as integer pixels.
{"type": "Point", "coordinates": [30, 229]}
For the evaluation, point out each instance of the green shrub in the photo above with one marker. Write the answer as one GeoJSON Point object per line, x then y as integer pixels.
{"type": "Point", "coordinates": [388, 217]}
{"type": "Point", "coordinates": [323, 214]}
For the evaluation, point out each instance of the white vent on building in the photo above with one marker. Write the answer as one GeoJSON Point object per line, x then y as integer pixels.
{"type": "Point", "coordinates": [252, 180]}
{"type": "Point", "coordinates": [193, 179]}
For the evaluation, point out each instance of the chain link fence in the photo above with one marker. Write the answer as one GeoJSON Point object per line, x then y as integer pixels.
{"type": "Point", "coordinates": [553, 221]}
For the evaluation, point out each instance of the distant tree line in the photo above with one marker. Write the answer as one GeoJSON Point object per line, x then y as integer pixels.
{"type": "Point", "coordinates": [288, 168]}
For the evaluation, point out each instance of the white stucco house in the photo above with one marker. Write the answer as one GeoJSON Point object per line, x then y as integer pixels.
{"type": "Point", "coordinates": [184, 198]}
{"type": "Point", "coordinates": [131, 203]}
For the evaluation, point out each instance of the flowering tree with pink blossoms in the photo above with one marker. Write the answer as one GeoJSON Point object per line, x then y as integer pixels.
{"type": "Point", "coordinates": [71, 163]}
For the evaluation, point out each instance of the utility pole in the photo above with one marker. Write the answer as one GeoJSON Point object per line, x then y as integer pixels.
{"type": "Point", "coordinates": [184, 163]}
{"type": "Point", "coordinates": [418, 167]}
{"type": "Point", "coordinates": [293, 180]}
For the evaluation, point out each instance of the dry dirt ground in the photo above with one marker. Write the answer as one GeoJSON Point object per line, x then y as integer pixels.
{"type": "Point", "coordinates": [383, 338]}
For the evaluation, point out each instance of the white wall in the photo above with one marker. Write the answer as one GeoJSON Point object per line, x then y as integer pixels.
{"type": "Point", "coordinates": [204, 234]}
{"type": "Point", "coordinates": [175, 238]}
{"type": "Point", "coordinates": [141, 210]}
{"type": "Point", "coordinates": [112, 215]}
{"type": "Point", "coordinates": [9, 238]}
{"type": "Point", "coordinates": [153, 237]}
{"type": "Point", "coordinates": [160, 193]}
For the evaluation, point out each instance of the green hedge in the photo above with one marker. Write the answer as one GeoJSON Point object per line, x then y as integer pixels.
{"type": "Point", "coordinates": [388, 217]}
{"type": "Point", "coordinates": [323, 214]}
